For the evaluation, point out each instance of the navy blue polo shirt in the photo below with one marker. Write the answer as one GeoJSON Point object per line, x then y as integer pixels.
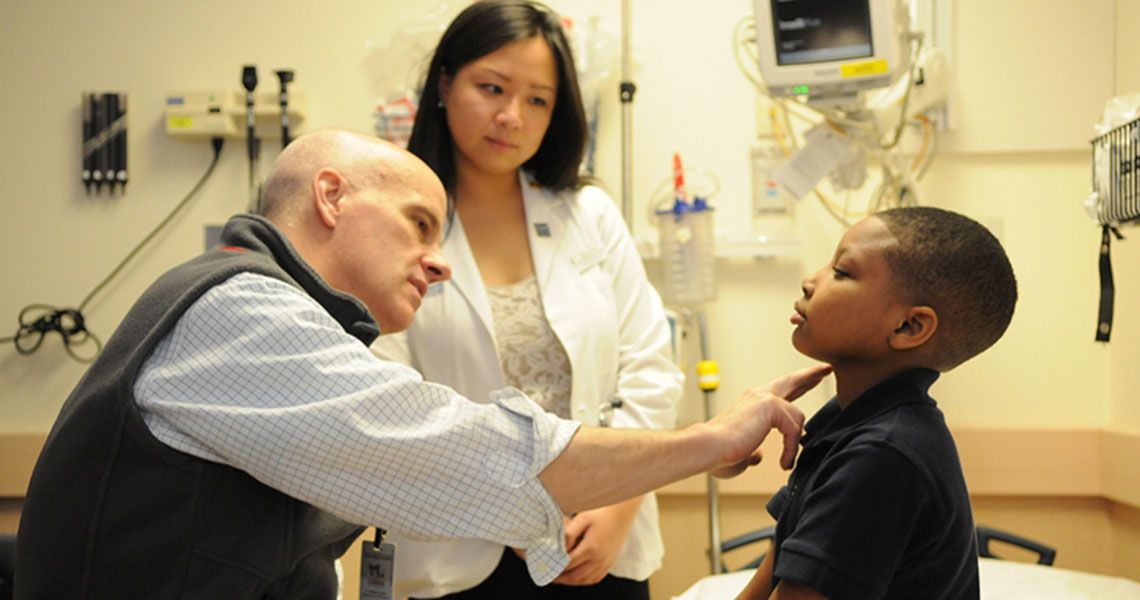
{"type": "Point", "coordinates": [877, 505]}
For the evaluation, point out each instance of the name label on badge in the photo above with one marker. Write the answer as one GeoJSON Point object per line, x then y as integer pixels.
{"type": "Point", "coordinates": [585, 260]}
{"type": "Point", "coordinates": [377, 567]}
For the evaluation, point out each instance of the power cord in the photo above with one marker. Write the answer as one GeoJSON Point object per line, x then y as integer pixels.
{"type": "Point", "coordinates": [37, 320]}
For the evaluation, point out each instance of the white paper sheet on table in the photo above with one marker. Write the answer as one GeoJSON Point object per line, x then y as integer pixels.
{"type": "Point", "coordinates": [1001, 580]}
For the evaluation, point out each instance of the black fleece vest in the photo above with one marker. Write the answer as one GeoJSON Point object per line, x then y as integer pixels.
{"type": "Point", "coordinates": [112, 512]}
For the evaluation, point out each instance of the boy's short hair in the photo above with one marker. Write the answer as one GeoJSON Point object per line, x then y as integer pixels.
{"type": "Point", "coordinates": [957, 267]}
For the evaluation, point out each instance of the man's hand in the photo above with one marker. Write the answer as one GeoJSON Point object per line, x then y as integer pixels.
{"type": "Point", "coordinates": [758, 411]}
{"type": "Point", "coordinates": [602, 466]}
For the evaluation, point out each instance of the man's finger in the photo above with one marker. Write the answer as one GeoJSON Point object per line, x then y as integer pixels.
{"type": "Point", "coordinates": [806, 379]}
{"type": "Point", "coordinates": [793, 385]}
{"type": "Point", "coordinates": [790, 424]}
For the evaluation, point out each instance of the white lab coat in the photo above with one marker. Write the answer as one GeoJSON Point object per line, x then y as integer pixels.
{"type": "Point", "coordinates": [612, 325]}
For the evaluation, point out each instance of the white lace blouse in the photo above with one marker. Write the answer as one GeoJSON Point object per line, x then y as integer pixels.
{"type": "Point", "coordinates": [532, 358]}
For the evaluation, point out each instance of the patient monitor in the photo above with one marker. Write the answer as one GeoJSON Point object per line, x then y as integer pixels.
{"type": "Point", "coordinates": [859, 65]}
{"type": "Point", "coordinates": [829, 49]}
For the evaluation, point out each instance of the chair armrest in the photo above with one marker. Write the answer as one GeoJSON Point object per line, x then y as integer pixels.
{"type": "Point", "coordinates": [1045, 554]}
{"type": "Point", "coordinates": [752, 537]}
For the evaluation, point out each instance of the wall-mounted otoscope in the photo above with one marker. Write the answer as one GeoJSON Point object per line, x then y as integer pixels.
{"type": "Point", "coordinates": [284, 76]}
{"type": "Point", "coordinates": [249, 82]}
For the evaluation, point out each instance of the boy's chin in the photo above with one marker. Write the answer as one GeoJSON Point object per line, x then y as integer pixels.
{"type": "Point", "coordinates": [799, 344]}
{"type": "Point", "coordinates": [806, 349]}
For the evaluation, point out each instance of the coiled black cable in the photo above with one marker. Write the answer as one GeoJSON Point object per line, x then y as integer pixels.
{"type": "Point", "coordinates": [38, 320]}
{"type": "Point", "coordinates": [69, 323]}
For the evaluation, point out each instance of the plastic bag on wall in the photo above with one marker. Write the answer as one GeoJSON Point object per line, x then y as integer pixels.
{"type": "Point", "coordinates": [1118, 111]}
{"type": "Point", "coordinates": [395, 68]}
{"type": "Point", "coordinates": [596, 55]}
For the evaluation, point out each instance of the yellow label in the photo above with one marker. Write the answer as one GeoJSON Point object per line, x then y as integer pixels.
{"type": "Point", "coordinates": [863, 69]}
{"type": "Point", "coordinates": [179, 122]}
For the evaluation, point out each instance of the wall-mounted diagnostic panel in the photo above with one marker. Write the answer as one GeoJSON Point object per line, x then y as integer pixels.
{"type": "Point", "coordinates": [202, 114]}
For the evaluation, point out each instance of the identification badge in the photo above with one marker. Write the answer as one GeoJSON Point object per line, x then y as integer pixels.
{"type": "Point", "coordinates": [584, 260]}
{"type": "Point", "coordinates": [377, 568]}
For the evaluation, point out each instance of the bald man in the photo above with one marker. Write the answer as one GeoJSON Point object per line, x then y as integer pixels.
{"type": "Point", "coordinates": [236, 432]}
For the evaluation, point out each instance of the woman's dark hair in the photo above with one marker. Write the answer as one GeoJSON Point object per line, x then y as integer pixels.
{"type": "Point", "coordinates": [479, 30]}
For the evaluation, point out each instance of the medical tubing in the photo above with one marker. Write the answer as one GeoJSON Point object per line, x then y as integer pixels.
{"type": "Point", "coordinates": [217, 146]}
{"type": "Point", "coordinates": [70, 323]}
{"type": "Point", "coordinates": [916, 49]}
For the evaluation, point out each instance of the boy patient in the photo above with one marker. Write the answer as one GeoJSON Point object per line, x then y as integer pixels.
{"type": "Point", "coordinates": [877, 505]}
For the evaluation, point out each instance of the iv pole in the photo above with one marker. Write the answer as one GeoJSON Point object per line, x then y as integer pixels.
{"type": "Point", "coordinates": [708, 375]}
{"type": "Point", "coordinates": [626, 90]}
{"type": "Point", "coordinates": [708, 379]}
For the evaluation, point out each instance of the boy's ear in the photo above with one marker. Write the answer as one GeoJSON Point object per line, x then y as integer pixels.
{"type": "Point", "coordinates": [916, 329]}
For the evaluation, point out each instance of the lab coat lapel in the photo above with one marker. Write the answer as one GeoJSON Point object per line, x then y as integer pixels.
{"type": "Point", "coordinates": [545, 224]}
{"type": "Point", "coordinates": [465, 273]}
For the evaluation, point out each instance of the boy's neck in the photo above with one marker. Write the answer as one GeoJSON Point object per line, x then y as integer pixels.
{"type": "Point", "coordinates": [851, 381]}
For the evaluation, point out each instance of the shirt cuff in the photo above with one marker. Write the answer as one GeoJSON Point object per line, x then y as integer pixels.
{"type": "Point", "coordinates": [546, 556]}
{"type": "Point", "coordinates": [820, 576]}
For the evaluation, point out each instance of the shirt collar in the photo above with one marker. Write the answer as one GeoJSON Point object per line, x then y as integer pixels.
{"type": "Point", "coordinates": [909, 387]}
{"type": "Point", "coordinates": [257, 234]}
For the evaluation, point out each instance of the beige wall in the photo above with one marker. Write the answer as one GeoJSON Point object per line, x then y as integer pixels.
{"type": "Point", "coordinates": [64, 242]}
{"type": "Point", "coordinates": [1125, 352]}
{"type": "Point", "coordinates": [1045, 374]}
{"type": "Point", "coordinates": [1125, 380]}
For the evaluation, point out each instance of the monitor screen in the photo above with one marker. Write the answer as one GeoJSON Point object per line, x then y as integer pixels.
{"type": "Point", "coordinates": [815, 31]}
{"type": "Point", "coordinates": [830, 49]}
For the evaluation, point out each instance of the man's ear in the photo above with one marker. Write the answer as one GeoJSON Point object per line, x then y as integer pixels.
{"type": "Point", "coordinates": [329, 188]}
{"type": "Point", "coordinates": [916, 329]}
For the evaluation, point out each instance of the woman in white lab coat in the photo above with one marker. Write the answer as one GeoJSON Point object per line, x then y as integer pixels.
{"type": "Point", "coordinates": [548, 293]}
